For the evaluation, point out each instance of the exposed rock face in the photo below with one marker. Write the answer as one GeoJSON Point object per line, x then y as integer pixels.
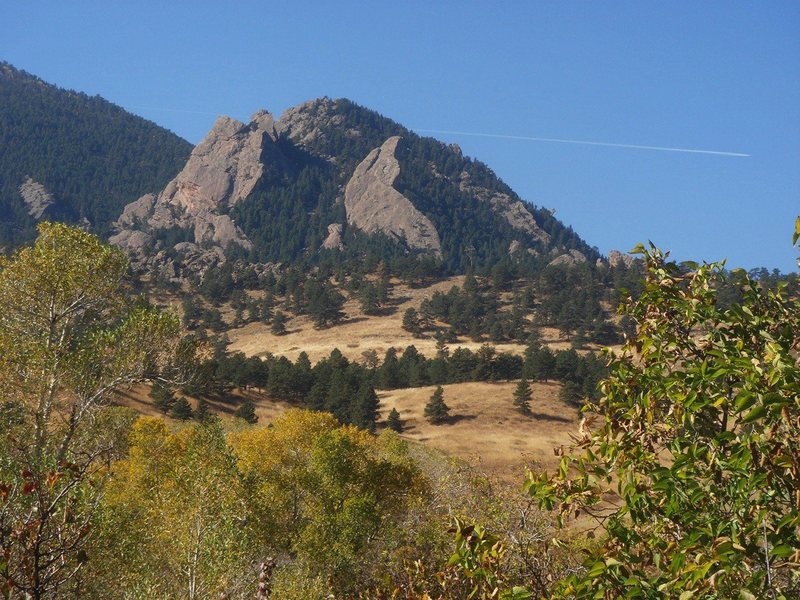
{"type": "Point", "coordinates": [573, 257]}
{"type": "Point", "coordinates": [513, 211]}
{"type": "Point", "coordinates": [616, 258]}
{"type": "Point", "coordinates": [307, 122]}
{"type": "Point", "coordinates": [223, 169]}
{"type": "Point", "coordinates": [36, 198]}
{"type": "Point", "coordinates": [373, 205]}
{"type": "Point", "coordinates": [334, 239]}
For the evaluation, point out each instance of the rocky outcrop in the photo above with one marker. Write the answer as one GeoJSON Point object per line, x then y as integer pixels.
{"type": "Point", "coordinates": [617, 258]}
{"type": "Point", "coordinates": [374, 206]}
{"type": "Point", "coordinates": [573, 257]}
{"type": "Point", "coordinates": [222, 170]}
{"type": "Point", "coordinates": [225, 167]}
{"type": "Point", "coordinates": [36, 198]}
{"type": "Point", "coordinates": [334, 239]}
{"type": "Point", "coordinates": [306, 123]}
{"type": "Point", "coordinates": [513, 211]}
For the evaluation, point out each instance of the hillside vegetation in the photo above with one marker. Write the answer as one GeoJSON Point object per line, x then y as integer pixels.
{"type": "Point", "coordinates": [695, 455]}
{"type": "Point", "coordinates": [91, 156]}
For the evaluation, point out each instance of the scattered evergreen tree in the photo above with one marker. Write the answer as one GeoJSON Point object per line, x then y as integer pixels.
{"type": "Point", "coordinates": [201, 414]}
{"type": "Point", "coordinates": [163, 397]}
{"type": "Point", "coordinates": [323, 302]}
{"type": "Point", "coordinates": [364, 412]}
{"type": "Point", "coordinates": [522, 397]}
{"type": "Point", "coordinates": [411, 322]}
{"type": "Point", "coordinates": [394, 422]}
{"type": "Point", "coordinates": [253, 310]}
{"type": "Point", "coordinates": [370, 358]}
{"type": "Point", "coordinates": [191, 312]}
{"type": "Point", "coordinates": [247, 411]}
{"type": "Point", "coordinates": [181, 410]}
{"type": "Point", "coordinates": [436, 411]}
{"type": "Point", "coordinates": [571, 393]}
{"type": "Point", "coordinates": [390, 376]}
{"type": "Point", "coordinates": [370, 300]}
{"type": "Point", "coordinates": [278, 323]}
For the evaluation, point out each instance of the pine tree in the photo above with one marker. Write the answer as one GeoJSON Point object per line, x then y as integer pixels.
{"type": "Point", "coordinates": [191, 312]}
{"type": "Point", "coordinates": [278, 323]}
{"type": "Point", "coordinates": [436, 411]}
{"type": "Point", "coordinates": [370, 302]}
{"type": "Point", "coordinates": [163, 397]}
{"type": "Point", "coordinates": [364, 411]}
{"type": "Point", "coordinates": [266, 308]}
{"type": "Point", "coordinates": [411, 322]}
{"type": "Point", "coordinates": [247, 411]}
{"type": "Point", "coordinates": [394, 422]}
{"type": "Point", "coordinates": [181, 410]}
{"type": "Point", "coordinates": [522, 397]}
{"type": "Point", "coordinates": [201, 414]}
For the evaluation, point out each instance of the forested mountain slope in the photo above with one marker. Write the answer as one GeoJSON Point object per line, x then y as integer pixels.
{"type": "Point", "coordinates": [73, 156]}
{"type": "Point", "coordinates": [335, 181]}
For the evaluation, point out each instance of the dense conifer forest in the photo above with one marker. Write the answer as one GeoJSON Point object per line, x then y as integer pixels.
{"type": "Point", "coordinates": [92, 156]}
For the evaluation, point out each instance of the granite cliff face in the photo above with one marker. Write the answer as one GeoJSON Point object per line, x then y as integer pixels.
{"type": "Point", "coordinates": [221, 171]}
{"type": "Point", "coordinates": [325, 173]}
{"type": "Point", "coordinates": [374, 206]}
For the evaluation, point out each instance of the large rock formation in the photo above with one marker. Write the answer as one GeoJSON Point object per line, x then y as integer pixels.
{"type": "Point", "coordinates": [616, 258]}
{"type": "Point", "coordinates": [307, 123]}
{"type": "Point", "coordinates": [36, 198]}
{"type": "Point", "coordinates": [573, 257]}
{"type": "Point", "coordinates": [513, 211]}
{"type": "Point", "coordinates": [374, 206]}
{"type": "Point", "coordinates": [222, 170]}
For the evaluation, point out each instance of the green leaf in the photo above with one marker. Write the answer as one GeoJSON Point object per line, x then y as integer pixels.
{"type": "Point", "coordinates": [755, 414]}
{"type": "Point", "coordinates": [782, 551]}
{"type": "Point", "coordinates": [796, 235]}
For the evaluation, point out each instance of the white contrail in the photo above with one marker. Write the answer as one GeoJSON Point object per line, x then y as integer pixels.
{"type": "Point", "coordinates": [582, 142]}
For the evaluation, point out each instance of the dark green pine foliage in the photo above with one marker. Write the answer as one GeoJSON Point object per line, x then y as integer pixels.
{"type": "Point", "coordinates": [163, 397]}
{"type": "Point", "coordinates": [522, 397]}
{"type": "Point", "coordinates": [370, 299]}
{"type": "Point", "coordinates": [436, 411]}
{"type": "Point", "coordinates": [202, 413]}
{"type": "Point", "coordinates": [247, 411]}
{"type": "Point", "coordinates": [278, 326]}
{"type": "Point", "coordinates": [322, 302]}
{"type": "Point", "coordinates": [181, 410]}
{"type": "Point", "coordinates": [287, 216]}
{"type": "Point", "coordinates": [91, 155]}
{"type": "Point", "coordinates": [394, 422]}
{"type": "Point", "coordinates": [411, 322]}
{"type": "Point", "coordinates": [364, 411]}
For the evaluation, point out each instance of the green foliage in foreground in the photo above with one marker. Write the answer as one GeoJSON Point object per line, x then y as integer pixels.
{"type": "Point", "coordinates": [97, 504]}
{"type": "Point", "coordinates": [694, 470]}
{"type": "Point", "coordinates": [69, 337]}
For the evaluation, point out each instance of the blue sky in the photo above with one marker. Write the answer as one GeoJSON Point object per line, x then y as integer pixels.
{"type": "Point", "coordinates": [719, 76]}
